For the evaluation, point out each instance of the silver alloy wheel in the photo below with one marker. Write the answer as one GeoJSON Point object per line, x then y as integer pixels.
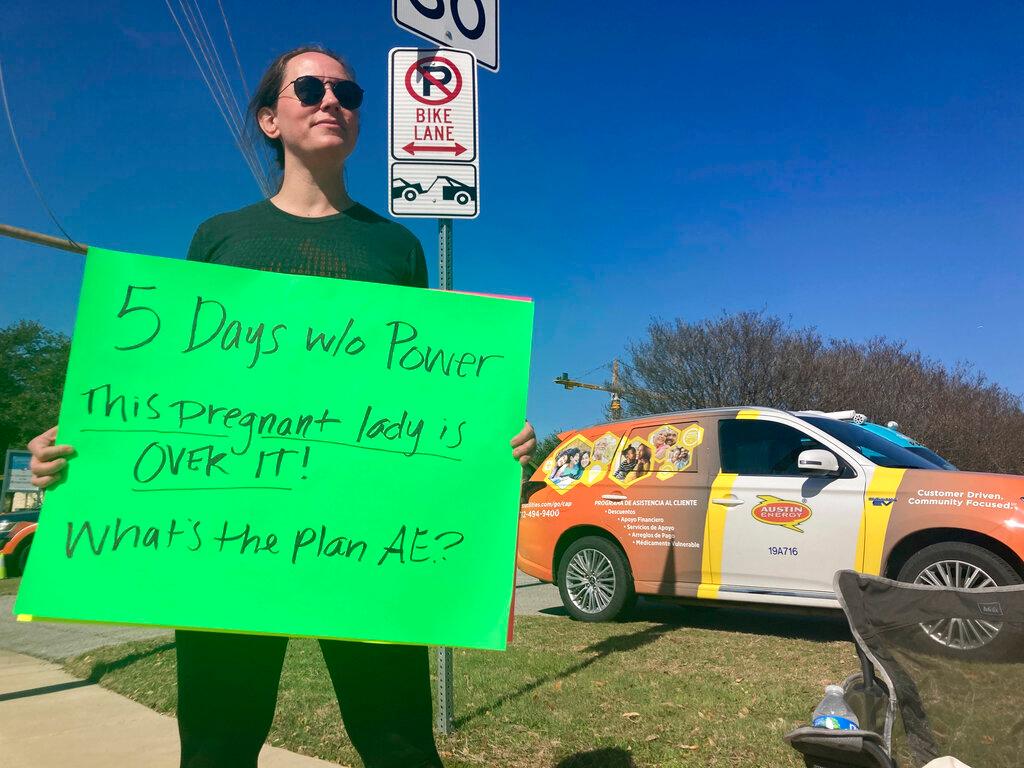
{"type": "Point", "coordinates": [590, 580]}
{"type": "Point", "coordinates": [959, 634]}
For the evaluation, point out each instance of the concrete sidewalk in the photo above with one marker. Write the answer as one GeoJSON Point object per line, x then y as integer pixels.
{"type": "Point", "coordinates": [48, 718]}
{"type": "Point", "coordinates": [55, 640]}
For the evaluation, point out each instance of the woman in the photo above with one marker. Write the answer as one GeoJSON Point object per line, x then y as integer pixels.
{"type": "Point", "coordinates": [307, 106]}
{"type": "Point", "coordinates": [643, 461]}
{"type": "Point", "coordinates": [571, 470]}
{"type": "Point", "coordinates": [574, 469]}
{"type": "Point", "coordinates": [584, 460]}
{"type": "Point", "coordinates": [560, 462]}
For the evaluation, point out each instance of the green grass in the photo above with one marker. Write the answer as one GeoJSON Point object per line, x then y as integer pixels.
{"type": "Point", "coordinates": [692, 687]}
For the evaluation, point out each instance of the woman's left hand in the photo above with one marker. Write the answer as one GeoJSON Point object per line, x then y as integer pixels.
{"type": "Point", "coordinates": [524, 444]}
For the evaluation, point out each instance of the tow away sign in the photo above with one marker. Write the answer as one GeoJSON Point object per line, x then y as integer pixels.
{"type": "Point", "coordinates": [432, 122]}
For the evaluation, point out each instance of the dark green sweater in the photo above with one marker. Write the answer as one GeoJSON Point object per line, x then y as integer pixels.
{"type": "Point", "coordinates": [355, 244]}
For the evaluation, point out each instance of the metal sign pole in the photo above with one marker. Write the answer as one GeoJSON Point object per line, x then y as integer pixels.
{"type": "Point", "coordinates": [445, 674]}
{"type": "Point", "coordinates": [444, 254]}
{"type": "Point", "coordinates": [445, 691]}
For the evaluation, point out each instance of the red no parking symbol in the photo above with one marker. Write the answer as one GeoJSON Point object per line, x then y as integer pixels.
{"type": "Point", "coordinates": [440, 81]}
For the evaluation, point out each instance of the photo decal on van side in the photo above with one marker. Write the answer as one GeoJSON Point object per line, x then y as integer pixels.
{"type": "Point", "coordinates": [633, 462]}
{"type": "Point", "coordinates": [601, 460]}
{"type": "Point", "coordinates": [661, 453]}
{"type": "Point", "coordinates": [658, 453]}
{"type": "Point", "coordinates": [569, 463]}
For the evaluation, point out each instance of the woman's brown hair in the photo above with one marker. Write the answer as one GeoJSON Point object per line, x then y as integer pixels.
{"type": "Point", "coordinates": [272, 83]}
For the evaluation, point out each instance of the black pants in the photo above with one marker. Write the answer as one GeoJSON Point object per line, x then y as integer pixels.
{"type": "Point", "coordinates": [227, 690]}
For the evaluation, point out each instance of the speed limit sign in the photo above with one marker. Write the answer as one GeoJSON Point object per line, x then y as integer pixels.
{"type": "Point", "coordinates": [471, 25]}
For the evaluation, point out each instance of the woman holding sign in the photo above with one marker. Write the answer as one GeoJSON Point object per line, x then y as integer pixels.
{"type": "Point", "coordinates": [307, 106]}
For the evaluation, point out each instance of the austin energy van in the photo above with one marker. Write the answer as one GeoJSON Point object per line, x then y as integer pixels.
{"type": "Point", "coordinates": [757, 505]}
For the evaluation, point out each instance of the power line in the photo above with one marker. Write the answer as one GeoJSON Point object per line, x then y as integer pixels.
{"type": "Point", "coordinates": [234, 50]}
{"type": "Point", "coordinates": [220, 90]}
{"type": "Point", "coordinates": [203, 50]}
{"type": "Point", "coordinates": [259, 148]}
{"type": "Point", "coordinates": [24, 165]}
{"type": "Point", "coordinates": [598, 368]}
{"type": "Point", "coordinates": [215, 67]}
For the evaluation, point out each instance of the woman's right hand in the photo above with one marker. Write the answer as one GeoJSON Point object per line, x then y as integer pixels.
{"type": "Point", "coordinates": [48, 459]}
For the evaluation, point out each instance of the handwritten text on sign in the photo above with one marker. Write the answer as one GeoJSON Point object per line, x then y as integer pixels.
{"type": "Point", "coordinates": [285, 454]}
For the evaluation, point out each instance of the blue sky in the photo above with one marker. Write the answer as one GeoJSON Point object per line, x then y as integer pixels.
{"type": "Point", "coordinates": [857, 167]}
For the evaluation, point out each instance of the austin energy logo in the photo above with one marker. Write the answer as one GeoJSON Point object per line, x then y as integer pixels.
{"type": "Point", "coordinates": [775, 511]}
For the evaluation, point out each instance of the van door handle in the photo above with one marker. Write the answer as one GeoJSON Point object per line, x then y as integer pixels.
{"type": "Point", "coordinates": [728, 501]}
{"type": "Point", "coordinates": [615, 497]}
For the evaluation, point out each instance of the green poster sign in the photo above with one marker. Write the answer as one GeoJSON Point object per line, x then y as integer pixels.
{"type": "Point", "coordinates": [285, 454]}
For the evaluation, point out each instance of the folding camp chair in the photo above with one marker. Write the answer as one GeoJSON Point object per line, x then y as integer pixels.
{"type": "Point", "coordinates": [949, 662]}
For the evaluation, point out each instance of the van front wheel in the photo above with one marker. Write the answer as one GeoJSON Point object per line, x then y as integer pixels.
{"type": "Point", "coordinates": [959, 565]}
{"type": "Point", "coordinates": [594, 580]}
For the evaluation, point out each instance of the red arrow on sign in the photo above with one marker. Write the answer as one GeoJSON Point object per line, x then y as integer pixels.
{"type": "Point", "coordinates": [412, 148]}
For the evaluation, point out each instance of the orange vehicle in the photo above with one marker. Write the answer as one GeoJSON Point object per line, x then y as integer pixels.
{"type": "Point", "coordinates": [16, 532]}
{"type": "Point", "coordinates": [757, 505]}
{"type": "Point", "coordinates": [17, 527]}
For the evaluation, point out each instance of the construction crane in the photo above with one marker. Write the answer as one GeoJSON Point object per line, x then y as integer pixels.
{"type": "Point", "coordinates": [614, 388]}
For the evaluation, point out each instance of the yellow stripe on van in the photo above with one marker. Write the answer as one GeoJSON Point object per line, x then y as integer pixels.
{"type": "Point", "coordinates": [875, 521]}
{"type": "Point", "coordinates": [748, 414]}
{"type": "Point", "coordinates": [714, 533]}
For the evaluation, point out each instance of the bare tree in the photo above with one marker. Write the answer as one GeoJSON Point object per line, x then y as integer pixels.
{"type": "Point", "coordinates": [756, 359]}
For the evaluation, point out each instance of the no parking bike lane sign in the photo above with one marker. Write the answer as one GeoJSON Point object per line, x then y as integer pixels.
{"type": "Point", "coordinates": [433, 158]}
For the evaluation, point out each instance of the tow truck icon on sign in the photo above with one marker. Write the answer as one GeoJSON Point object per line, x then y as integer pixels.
{"type": "Point", "coordinates": [435, 189]}
{"type": "Point", "coordinates": [451, 189]}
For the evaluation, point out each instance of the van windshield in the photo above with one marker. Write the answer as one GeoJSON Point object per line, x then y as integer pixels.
{"type": "Point", "coordinates": [929, 455]}
{"type": "Point", "coordinates": [872, 447]}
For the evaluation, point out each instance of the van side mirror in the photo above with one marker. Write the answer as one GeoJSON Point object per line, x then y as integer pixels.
{"type": "Point", "coordinates": [818, 462]}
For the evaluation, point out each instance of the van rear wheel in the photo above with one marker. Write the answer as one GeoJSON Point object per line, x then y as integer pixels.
{"type": "Point", "coordinates": [594, 580]}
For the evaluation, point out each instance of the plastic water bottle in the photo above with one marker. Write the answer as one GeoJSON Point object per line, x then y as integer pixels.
{"type": "Point", "coordinates": [833, 712]}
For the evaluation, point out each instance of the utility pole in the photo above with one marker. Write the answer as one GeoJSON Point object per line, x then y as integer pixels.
{"type": "Point", "coordinates": [40, 239]}
{"type": "Point", "coordinates": [614, 389]}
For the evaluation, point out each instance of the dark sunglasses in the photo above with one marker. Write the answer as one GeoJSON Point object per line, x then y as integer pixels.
{"type": "Point", "coordinates": [310, 90]}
